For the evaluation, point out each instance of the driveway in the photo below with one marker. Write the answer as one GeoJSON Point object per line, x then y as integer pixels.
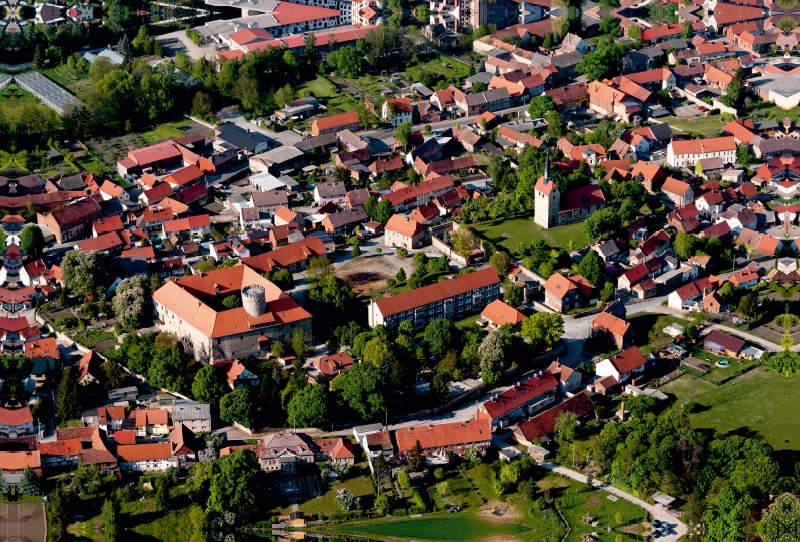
{"type": "Point", "coordinates": [183, 43]}
{"type": "Point", "coordinates": [676, 528]}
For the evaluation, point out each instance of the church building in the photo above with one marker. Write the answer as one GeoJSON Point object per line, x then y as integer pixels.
{"type": "Point", "coordinates": [553, 209]}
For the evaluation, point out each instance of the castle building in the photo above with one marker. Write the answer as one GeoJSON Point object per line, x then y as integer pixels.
{"type": "Point", "coordinates": [553, 209]}
{"type": "Point", "coordinates": [192, 308]}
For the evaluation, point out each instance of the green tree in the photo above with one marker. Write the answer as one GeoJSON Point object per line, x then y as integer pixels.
{"type": "Point", "coordinates": [423, 13]}
{"type": "Point", "coordinates": [684, 245]}
{"type": "Point", "coordinates": [540, 106]}
{"type": "Point", "coordinates": [309, 407]}
{"type": "Point", "coordinates": [232, 301]}
{"type": "Point", "coordinates": [403, 134]}
{"type": "Point", "coordinates": [333, 291]}
{"type": "Point", "coordinates": [110, 511]}
{"type": "Point", "coordinates": [167, 370]}
{"type": "Point", "coordinates": [628, 211]}
{"type": "Point", "coordinates": [686, 30]}
{"type": "Point", "coordinates": [513, 295]}
{"type": "Point", "coordinates": [415, 460]}
{"type": "Point", "coordinates": [201, 104]}
{"type": "Point", "coordinates": [640, 405]}
{"type": "Point", "coordinates": [609, 25]}
{"type": "Point", "coordinates": [476, 88]}
{"type": "Point", "coordinates": [401, 275]}
{"type": "Point", "coordinates": [301, 343]}
{"type": "Point", "coordinates": [602, 62]}
{"type": "Point", "coordinates": [284, 95]}
{"type": "Point", "coordinates": [439, 335]}
{"type": "Point", "coordinates": [161, 493]}
{"type": "Point", "coordinates": [501, 262]}
{"type": "Point", "coordinates": [601, 224]}
{"type": "Point", "coordinates": [727, 291]}
{"type": "Point", "coordinates": [319, 269]}
{"type": "Point", "coordinates": [67, 403]}
{"type": "Point", "coordinates": [607, 292]}
{"type": "Point", "coordinates": [543, 329]}
{"type": "Point", "coordinates": [32, 241]}
{"type": "Point", "coordinates": [492, 352]}
{"type": "Point", "coordinates": [362, 389]}
{"type": "Point", "coordinates": [565, 425]}
{"type": "Point", "coordinates": [208, 385]}
{"type": "Point", "coordinates": [787, 341]}
{"type": "Point", "coordinates": [233, 484]}
{"type": "Point", "coordinates": [132, 302]}
{"type": "Point", "coordinates": [592, 268]}
{"type": "Point", "coordinates": [57, 515]}
{"type": "Point", "coordinates": [238, 406]}
{"type": "Point", "coordinates": [748, 306]}
{"type": "Point", "coordinates": [85, 273]}
{"type": "Point", "coordinates": [787, 24]}
{"type": "Point", "coordinates": [31, 483]}
{"type": "Point", "coordinates": [113, 373]}
{"type": "Point", "coordinates": [744, 155]}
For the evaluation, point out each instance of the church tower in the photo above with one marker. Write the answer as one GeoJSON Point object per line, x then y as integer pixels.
{"type": "Point", "coordinates": [547, 200]}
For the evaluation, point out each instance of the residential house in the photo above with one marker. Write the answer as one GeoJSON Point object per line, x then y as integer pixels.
{"type": "Point", "coordinates": [286, 452]}
{"type": "Point", "coordinates": [151, 421]}
{"type": "Point", "coordinates": [623, 366]}
{"type": "Point", "coordinates": [332, 365]}
{"type": "Point", "coordinates": [617, 331]}
{"type": "Point", "coordinates": [498, 313]}
{"type": "Point", "coordinates": [520, 400]}
{"type": "Point", "coordinates": [569, 379]}
{"type": "Point", "coordinates": [16, 422]}
{"type": "Point", "coordinates": [194, 416]}
{"type": "Point", "coordinates": [329, 192]}
{"type": "Point", "coordinates": [679, 192]}
{"type": "Point", "coordinates": [723, 344]}
{"type": "Point", "coordinates": [335, 123]}
{"type": "Point", "coordinates": [147, 457]}
{"type": "Point", "coordinates": [72, 221]}
{"type": "Point", "coordinates": [439, 440]}
{"type": "Point", "coordinates": [686, 153]}
{"type": "Point", "coordinates": [339, 224]}
{"type": "Point", "coordinates": [402, 231]}
{"type": "Point", "coordinates": [335, 450]}
{"type": "Point", "coordinates": [268, 202]}
{"type": "Point", "coordinates": [566, 293]}
{"type": "Point", "coordinates": [689, 297]}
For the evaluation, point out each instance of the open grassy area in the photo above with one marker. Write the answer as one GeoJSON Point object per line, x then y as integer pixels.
{"type": "Point", "coordinates": [524, 229]}
{"type": "Point", "coordinates": [14, 96]}
{"type": "Point", "coordinates": [760, 401]}
{"type": "Point", "coordinates": [165, 131]}
{"type": "Point", "coordinates": [68, 78]}
{"type": "Point", "coordinates": [457, 69]}
{"type": "Point", "coordinates": [765, 110]}
{"type": "Point", "coordinates": [356, 482]}
{"type": "Point", "coordinates": [92, 164]}
{"type": "Point", "coordinates": [704, 126]}
{"type": "Point", "coordinates": [324, 89]}
{"type": "Point", "coordinates": [521, 521]}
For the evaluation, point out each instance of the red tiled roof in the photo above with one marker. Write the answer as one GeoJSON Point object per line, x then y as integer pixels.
{"type": "Point", "coordinates": [499, 313]}
{"type": "Point", "coordinates": [726, 341]}
{"type": "Point", "coordinates": [438, 291]}
{"type": "Point", "coordinates": [150, 416]}
{"type": "Point", "coordinates": [443, 435]}
{"type": "Point", "coordinates": [19, 461]}
{"type": "Point", "coordinates": [335, 121]}
{"type": "Point", "coordinates": [144, 452]}
{"type": "Point", "coordinates": [520, 395]}
{"type": "Point", "coordinates": [545, 423]}
{"type": "Point", "coordinates": [284, 257]}
{"type": "Point", "coordinates": [16, 417]}
{"type": "Point", "coordinates": [42, 348]}
{"type": "Point", "coordinates": [612, 324]}
{"type": "Point", "coordinates": [338, 448]}
{"type": "Point", "coordinates": [59, 448]}
{"type": "Point", "coordinates": [628, 360]}
{"type": "Point", "coordinates": [107, 241]}
{"type": "Point", "coordinates": [333, 364]}
{"type": "Point", "coordinates": [105, 225]}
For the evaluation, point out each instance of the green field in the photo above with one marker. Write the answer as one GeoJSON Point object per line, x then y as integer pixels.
{"type": "Point", "coordinates": [458, 70]}
{"type": "Point", "coordinates": [165, 131]}
{"type": "Point", "coordinates": [524, 229]}
{"type": "Point", "coordinates": [704, 126]}
{"type": "Point", "coordinates": [13, 96]}
{"type": "Point", "coordinates": [760, 400]}
{"type": "Point", "coordinates": [766, 110]}
{"type": "Point", "coordinates": [322, 88]}
{"type": "Point", "coordinates": [442, 527]}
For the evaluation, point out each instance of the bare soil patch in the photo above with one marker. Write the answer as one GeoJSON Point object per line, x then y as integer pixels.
{"type": "Point", "coordinates": [22, 522]}
{"type": "Point", "coordinates": [368, 272]}
{"type": "Point", "coordinates": [487, 513]}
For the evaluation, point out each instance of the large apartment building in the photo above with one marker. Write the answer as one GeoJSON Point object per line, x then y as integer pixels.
{"type": "Point", "coordinates": [451, 299]}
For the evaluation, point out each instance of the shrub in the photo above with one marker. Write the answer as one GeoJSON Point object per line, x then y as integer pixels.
{"type": "Point", "coordinates": [66, 321]}
{"type": "Point", "coordinates": [438, 473]}
{"type": "Point", "coordinates": [402, 252]}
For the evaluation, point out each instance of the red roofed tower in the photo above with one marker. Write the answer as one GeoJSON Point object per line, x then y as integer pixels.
{"type": "Point", "coordinates": [12, 263]}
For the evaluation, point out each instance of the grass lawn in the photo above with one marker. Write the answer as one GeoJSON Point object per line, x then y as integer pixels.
{"type": "Point", "coordinates": [759, 401]}
{"type": "Point", "coordinates": [14, 96]}
{"type": "Point", "coordinates": [165, 131]}
{"type": "Point", "coordinates": [524, 229]}
{"type": "Point", "coordinates": [322, 88]}
{"type": "Point", "coordinates": [704, 126]}
{"type": "Point", "coordinates": [357, 482]}
{"type": "Point", "coordinates": [457, 69]}
{"type": "Point", "coordinates": [92, 164]}
{"type": "Point", "coordinates": [766, 110]}
{"type": "Point", "coordinates": [441, 526]}
{"type": "Point", "coordinates": [67, 78]}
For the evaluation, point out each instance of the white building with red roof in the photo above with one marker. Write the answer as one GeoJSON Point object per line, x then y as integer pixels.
{"type": "Point", "coordinates": [553, 209]}
{"type": "Point", "coordinates": [16, 423]}
{"type": "Point", "coordinates": [498, 313]}
{"type": "Point", "coordinates": [437, 440]}
{"type": "Point", "coordinates": [623, 366]}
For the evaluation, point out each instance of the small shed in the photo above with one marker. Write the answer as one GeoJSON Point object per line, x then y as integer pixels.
{"type": "Point", "coordinates": [538, 453]}
{"type": "Point", "coordinates": [662, 499]}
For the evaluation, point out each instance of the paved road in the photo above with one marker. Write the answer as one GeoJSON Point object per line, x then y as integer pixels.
{"type": "Point", "coordinates": [676, 528]}
{"type": "Point", "coordinates": [231, 114]}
